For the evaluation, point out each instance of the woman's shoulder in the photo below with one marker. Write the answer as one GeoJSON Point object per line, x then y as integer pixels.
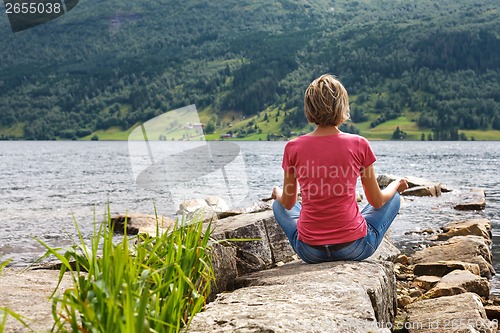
{"type": "Point", "coordinates": [339, 136]}
{"type": "Point", "coordinates": [353, 137]}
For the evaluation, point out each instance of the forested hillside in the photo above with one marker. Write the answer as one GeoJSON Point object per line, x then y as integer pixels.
{"type": "Point", "coordinates": [428, 67]}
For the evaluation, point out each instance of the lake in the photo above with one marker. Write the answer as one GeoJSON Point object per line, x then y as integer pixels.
{"type": "Point", "coordinates": [44, 185]}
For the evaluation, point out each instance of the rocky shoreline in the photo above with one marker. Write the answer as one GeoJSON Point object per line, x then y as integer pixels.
{"type": "Point", "coordinates": [262, 287]}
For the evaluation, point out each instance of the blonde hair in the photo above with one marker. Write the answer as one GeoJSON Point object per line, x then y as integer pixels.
{"type": "Point", "coordinates": [326, 102]}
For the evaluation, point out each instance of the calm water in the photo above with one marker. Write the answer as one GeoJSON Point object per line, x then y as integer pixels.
{"type": "Point", "coordinates": [44, 184]}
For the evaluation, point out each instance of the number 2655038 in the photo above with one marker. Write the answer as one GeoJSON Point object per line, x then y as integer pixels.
{"type": "Point", "coordinates": [33, 8]}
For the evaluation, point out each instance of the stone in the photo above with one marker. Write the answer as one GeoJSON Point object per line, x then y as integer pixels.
{"type": "Point", "coordinates": [404, 300]}
{"type": "Point", "coordinates": [475, 199]}
{"type": "Point", "coordinates": [298, 297]}
{"type": "Point", "coordinates": [384, 180]}
{"type": "Point", "coordinates": [483, 245]}
{"type": "Point", "coordinates": [259, 206]}
{"type": "Point", "coordinates": [256, 207]}
{"type": "Point", "coordinates": [470, 249]}
{"type": "Point", "coordinates": [224, 264]}
{"type": "Point", "coordinates": [478, 227]}
{"type": "Point", "coordinates": [27, 293]}
{"type": "Point", "coordinates": [142, 223]}
{"type": "Point", "coordinates": [458, 282]}
{"type": "Point", "coordinates": [492, 312]}
{"type": "Point", "coordinates": [426, 282]}
{"type": "Point", "coordinates": [414, 293]}
{"type": "Point", "coordinates": [191, 206]}
{"type": "Point", "coordinates": [248, 233]}
{"type": "Point", "coordinates": [441, 268]}
{"type": "Point", "coordinates": [281, 249]}
{"type": "Point", "coordinates": [387, 251]}
{"type": "Point", "coordinates": [198, 209]}
{"type": "Point", "coordinates": [423, 191]}
{"type": "Point", "coordinates": [217, 204]}
{"type": "Point", "coordinates": [458, 313]}
{"type": "Point", "coordinates": [402, 259]}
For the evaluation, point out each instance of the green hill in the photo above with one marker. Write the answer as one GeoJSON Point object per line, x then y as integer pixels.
{"type": "Point", "coordinates": [104, 67]}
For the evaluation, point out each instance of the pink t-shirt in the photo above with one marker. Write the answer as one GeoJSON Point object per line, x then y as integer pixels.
{"type": "Point", "coordinates": [327, 168]}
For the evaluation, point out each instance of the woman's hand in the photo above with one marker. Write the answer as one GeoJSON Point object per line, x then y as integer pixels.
{"type": "Point", "coordinates": [402, 185]}
{"type": "Point", "coordinates": [277, 193]}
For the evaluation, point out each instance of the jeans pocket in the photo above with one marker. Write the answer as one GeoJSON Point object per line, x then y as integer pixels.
{"type": "Point", "coordinates": [310, 255]}
{"type": "Point", "coordinates": [368, 250]}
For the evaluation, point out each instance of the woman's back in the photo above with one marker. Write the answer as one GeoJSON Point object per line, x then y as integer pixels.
{"type": "Point", "coordinates": [327, 168]}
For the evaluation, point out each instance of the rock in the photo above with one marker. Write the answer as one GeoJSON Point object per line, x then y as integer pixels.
{"type": "Point", "coordinates": [224, 267]}
{"type": "Point", "coordinates": [199, 209]}
{"type": "Point", "coordinates": [217, 204]}
{"type": "Point", "coordinates": [428, 231]}
{"type": "Point", "coordinates": [384, 180]}
{"type": "Point", "coordinates": [479, 227]}
{"type": "Point", "coordinates": [142, 223]}
{"type": "Point", "coordinates": [386, 251]}
{"type": "Point", "coordinates": [260, 206]}
{"type": "Point", "coordinates": [426, 282]}
{"type": "Point", "coordinates": [470, 249]}
{"type": "Point", "coordinates": [475, 199]}
{"type": "Point", "coordinates": [414, 293]}
{"type": "Point", "coordinates": [458, 282]}
{"type": "Point", "coordinates": [298, 297]}
{"type": "Point", "coordinates": [404, 277]}
{"type": "Point", "coordinates": [483, 245]}
{"type": "Point", "coordinates": [402, 259]}
{"type": "Point", "coordinates": [403, 301]}
{"type": "Point", "coordinates": [423, 191]}
{"type": "Point", "coordinates": [256, 207]}
{"type": "Point", "coordinates": [441, 268]}
{"type": "Point", "coordinates": [27, 293]}
{"type": "Point", "coordinates": [280, 246]}
{"type": "Point", "coordinates": [191, 206]}
{"type": "Point", "coordinates": [250, 233]}
{"type": "Point", "coordinates": [458, 313]}
{"type": "Point", "coordinates": [492, 312]}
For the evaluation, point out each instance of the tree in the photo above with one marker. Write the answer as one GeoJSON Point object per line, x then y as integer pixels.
{"type": "Point", "coordinates": [210, 127]}
{"type": "Point", "coordinates": [398, 134]}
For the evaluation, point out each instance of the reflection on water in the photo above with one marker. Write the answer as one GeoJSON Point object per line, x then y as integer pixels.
{"type": "Point", "coordinates": [43, 184]}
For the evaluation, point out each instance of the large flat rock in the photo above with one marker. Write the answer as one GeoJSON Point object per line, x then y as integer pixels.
{"type": "Point", "coordinates": [458, 282]}
{"type": "Point", "coordinates": [27, 293]}
{"type": "Point", "coordinates": [470, 249]}
{"type": "Point", "coordinates": [298, 297]}
{"type": "Point", "coordinates": [441, 268]}
{"type": "Point", "coordinates": [459, 313]}
{"type": "Point", "coordinates": [384, 180]}
{"type": "Point", "coordinates": [475, 199]}
{"type": "Point", "coordinates": [476, 227]}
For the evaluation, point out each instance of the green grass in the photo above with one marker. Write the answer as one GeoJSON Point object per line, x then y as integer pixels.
{"type": "Point", "coordinates": [488, 135]}
{"type": "Point", "coordinates": [384, 131]}
{"type": "Point", "coordinates": [155, 285]}
{"type": "Point", "coordinates": [111, 134]}
{"type": "Point", "coordinates": [16, 131]}
{"type": "Point", "coordinates": [234, 122]}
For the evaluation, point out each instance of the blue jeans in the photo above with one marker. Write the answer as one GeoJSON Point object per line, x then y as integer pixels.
{"type": "Point", "coordinates": [378, 221]}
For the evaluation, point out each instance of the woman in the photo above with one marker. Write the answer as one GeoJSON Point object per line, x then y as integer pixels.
{"type": "Point", "coordinates": [326, 163]}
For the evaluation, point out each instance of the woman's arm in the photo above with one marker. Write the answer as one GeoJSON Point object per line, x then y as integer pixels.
{"type": "Point", "coordinates": [376, 197]}
{"type": "Point", "coordinates": [288, 196]}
